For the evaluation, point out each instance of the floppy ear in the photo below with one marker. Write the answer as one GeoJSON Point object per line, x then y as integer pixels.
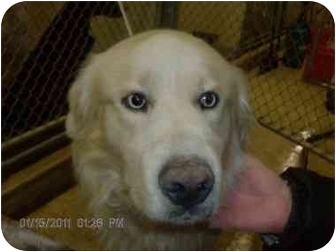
{"type": "Point", "coordinates": [241, 113]}
{"type": "Point", "coordinates": [83, 103]}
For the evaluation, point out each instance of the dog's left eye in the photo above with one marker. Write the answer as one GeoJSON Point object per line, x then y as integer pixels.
{"type": "Point", "coordinates": [208, 100]}
{"type": "Point", "coordinates": [135, 101]}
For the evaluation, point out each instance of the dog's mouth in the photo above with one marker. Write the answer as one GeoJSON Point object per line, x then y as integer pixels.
{"type": "Point", "coordinates": [197, 214]}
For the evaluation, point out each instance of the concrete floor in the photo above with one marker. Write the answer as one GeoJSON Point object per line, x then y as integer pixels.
{"type": "Point", "coordinates": [269, 147]}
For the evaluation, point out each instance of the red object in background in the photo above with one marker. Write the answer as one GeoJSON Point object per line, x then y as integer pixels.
{"type": "Point", "coordinates": [322, 66]}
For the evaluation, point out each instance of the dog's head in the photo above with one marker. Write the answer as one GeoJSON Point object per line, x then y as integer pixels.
{"type": "Point", "coordinates": [175, 111]}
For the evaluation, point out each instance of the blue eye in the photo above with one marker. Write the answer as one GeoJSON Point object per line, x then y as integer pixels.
{"type": "Point", "coordinates": [135, 101]}
{"type": "Point", "coordinates": [208, 100]}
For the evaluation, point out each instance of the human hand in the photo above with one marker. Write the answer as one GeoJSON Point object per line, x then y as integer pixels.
{"type": "Point", "coordinates": [260, 201]}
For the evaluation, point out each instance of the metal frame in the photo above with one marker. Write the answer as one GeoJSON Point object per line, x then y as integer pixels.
{"type": "Point", "coordinates": [32, 146]}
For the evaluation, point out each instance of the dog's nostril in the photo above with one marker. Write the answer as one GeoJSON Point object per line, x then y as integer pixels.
{"type": "Point", "coordinates": [202, 186]}
{"type": "Point", "coordinates": [176, 187]}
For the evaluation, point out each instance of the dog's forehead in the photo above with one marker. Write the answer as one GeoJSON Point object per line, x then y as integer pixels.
{"type": "Point", "coordinates": [163, 50]}
{"type": "Point", "coordinates": [174, 51]}
{"type": "Point", "coordinates": [163, 57]}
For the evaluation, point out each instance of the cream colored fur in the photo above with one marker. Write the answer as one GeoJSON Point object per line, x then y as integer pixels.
{"type": "Point", "coordinates": [118, 153]}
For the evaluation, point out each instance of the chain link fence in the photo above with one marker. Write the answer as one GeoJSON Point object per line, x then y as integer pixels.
{"type": "Point", "coordinates": [286, 48]}
{"type": "Point", "coordinates": [43, 45]}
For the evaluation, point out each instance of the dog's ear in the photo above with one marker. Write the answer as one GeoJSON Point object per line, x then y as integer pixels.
{"type": "Point", "coordinates": [241, 112]}
{"type": "Point", "coordinates": [83, 102]}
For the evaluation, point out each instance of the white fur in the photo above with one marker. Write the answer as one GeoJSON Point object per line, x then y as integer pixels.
{"type": "Point", "coordinates": [118, 153]}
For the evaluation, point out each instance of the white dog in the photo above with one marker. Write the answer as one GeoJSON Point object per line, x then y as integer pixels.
{"type": "Point", "coordinates": [157, 122]}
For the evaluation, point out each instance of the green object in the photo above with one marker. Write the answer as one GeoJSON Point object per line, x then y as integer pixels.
{"type": "Point", "coordinates": [295, 49]}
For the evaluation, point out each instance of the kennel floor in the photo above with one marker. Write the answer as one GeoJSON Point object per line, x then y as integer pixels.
{"type": "Point", "coordinates": [271, 148]}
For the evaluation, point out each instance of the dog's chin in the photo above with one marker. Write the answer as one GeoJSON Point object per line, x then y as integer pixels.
{"type": "Point", "coordinates": [186, 217]}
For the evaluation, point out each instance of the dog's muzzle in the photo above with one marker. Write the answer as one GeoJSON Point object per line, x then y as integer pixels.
{"type": "Point", "coordinates": [186, 181]}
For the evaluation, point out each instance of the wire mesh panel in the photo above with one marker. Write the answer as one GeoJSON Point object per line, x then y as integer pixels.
{"type": "Point", "coordinates": [286, 48]}
{"type": "Point", "coordinates": [106, 31]}
{"type": "Point", "coordinates": [291, 85]}
{"type": "Point", "coordinates": [44, 44]}
{"type": "Point", "coordinates": [223, 20]}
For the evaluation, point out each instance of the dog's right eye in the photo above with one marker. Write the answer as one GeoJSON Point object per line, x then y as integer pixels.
{"type": "Point", "coordinates": [135, 101]}
{"type": "Point", "coordinates": [208, 100]}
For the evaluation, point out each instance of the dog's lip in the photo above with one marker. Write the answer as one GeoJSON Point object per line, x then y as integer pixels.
{"type": "Point", "coordinates": [177, 213]}
{"type": "Point", "coordinates": [190, 215]}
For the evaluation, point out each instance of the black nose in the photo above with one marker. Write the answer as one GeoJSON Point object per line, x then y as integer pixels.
{"type": "Point", "coordinates": [186, 181]}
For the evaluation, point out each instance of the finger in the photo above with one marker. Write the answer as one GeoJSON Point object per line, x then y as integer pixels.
{"type": "Point", "coordinates": [221, 220]}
